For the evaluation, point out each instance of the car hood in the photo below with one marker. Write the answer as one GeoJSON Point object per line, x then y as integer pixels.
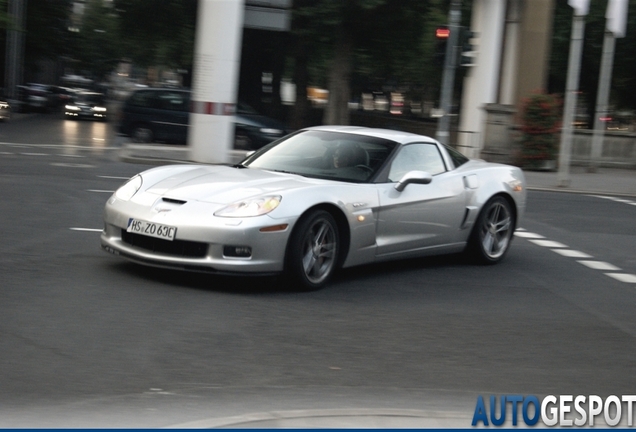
{"type": "Point", "coordinates": [224, 185]}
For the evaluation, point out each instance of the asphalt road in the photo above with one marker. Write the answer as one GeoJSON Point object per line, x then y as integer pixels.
{"type": "Point", "coordinates": [88, 340]}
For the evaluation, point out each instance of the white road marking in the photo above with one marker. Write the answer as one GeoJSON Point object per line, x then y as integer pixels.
{"type": "Point", "coordinates": [6, 153]}
{"type": "Point", "coordinates": [561, 249]}
{"type": "Point", "coordinates": [113, 177]}
{"type": "Point", "coordinates": [34, 154]}
{"type": "Point", "coordinates": [623, 277]}
{"type": "Point", "coordinates": [599, 265]}
{"type": "Point", "coordinates": [100, 190]}
{"type": "Point", "coordinates": [71, 155]}
{"type": "Point", "coordinates": [528, 235]}
{"type": "Point", "coordinates": [572, 253]}
{"type": "Point", "coordinates": [72, 165]}
{"type": "Point", "coordinates": [87, 229]}
{"type": "Point", "coordinates": [548, 243]}
{"type": "Point", "coordinates": [620, 200]}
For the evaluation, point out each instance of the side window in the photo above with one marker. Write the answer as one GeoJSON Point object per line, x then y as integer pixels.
{"type": "Point", "coordinates": [416, 157]}
{"type": "Point", "coordinates": [458, 158]}
{"type": "Point", "coordinates": [174, 101]}
{"type": "Point", "coordinates": [141, 99]}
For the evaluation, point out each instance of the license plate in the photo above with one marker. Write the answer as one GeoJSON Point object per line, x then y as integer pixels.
{"type": "Point", "coordinates": [151, 229]}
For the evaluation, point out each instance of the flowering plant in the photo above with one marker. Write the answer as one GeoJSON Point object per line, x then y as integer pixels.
{"type": "Point", "coordinates": [540, 122]}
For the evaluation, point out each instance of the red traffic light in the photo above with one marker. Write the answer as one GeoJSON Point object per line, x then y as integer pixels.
{"type": "Point", "coordinates": [442, 32]}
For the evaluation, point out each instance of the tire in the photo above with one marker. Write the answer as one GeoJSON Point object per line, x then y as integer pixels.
{"type": "Point", "coordinates": [312, 252]}
{"type": "Point", "coordinates": [142, 134]}
{"type": "Point", "coordinates": [491, 236]}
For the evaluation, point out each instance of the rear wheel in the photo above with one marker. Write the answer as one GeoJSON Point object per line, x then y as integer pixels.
{"type": "Point", "coordinates": [491, 236]}
{"type": "Point", "coordinates": [312, 254]}
{"type": "Point", "coordinates": [142, 134]}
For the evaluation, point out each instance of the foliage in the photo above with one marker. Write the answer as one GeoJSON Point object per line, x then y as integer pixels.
{"type": "Point", "coordinates": [623, 93]}
{"type": "Point", "coordinates": [158, 32]}
{"type": "Point", "coordinates": [97, 51]}
{"type": "Point", "coordinates": [540, 122]}
{"type": "Point", "coordinates": [47, 35]}
{"type": "Point", "coordinates": [5, 21]}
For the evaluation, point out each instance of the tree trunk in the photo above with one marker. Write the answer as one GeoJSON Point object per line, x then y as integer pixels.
{"type": "Point", "coordinates": [337, 110]}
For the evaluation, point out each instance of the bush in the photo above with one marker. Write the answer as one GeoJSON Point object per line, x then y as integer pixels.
{"type": "Point", "coordinates": [540, 124]}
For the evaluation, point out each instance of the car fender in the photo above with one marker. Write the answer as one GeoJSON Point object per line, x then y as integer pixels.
{"type": "Point", "coordinates": [356, 203]}
{"type": "Point", "coordinates": [492, 180]}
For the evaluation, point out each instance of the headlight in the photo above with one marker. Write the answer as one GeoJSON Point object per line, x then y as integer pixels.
{"type": "Point", "coordinates": [269, 131]}
{"type": "Point", "coordinates": [99, 109]}
{"type": "Point", "coordinates": [129, 189]}
{"type": "Point", "coordinates": [250, 207]}
{"type": "Point", "coordinates": [72, 108]}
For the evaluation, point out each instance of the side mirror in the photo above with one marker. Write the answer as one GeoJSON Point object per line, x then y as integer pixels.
{"type": "Point", "coordinates": [419, 177]}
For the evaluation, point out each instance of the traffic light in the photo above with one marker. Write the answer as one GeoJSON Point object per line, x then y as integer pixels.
{"type": "Point", "coordinates": [442, 34]}
{"type": "Point", "coordinates": [469, 51]}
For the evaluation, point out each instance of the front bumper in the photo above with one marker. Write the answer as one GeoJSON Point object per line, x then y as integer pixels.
{"type": "Point", "coordinates": [208, 235]}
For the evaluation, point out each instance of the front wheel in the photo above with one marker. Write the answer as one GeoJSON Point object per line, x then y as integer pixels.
{"type": "Point", "coordinates": [312, 253]}
{"type": "Point", "coordinates": [491, 236]}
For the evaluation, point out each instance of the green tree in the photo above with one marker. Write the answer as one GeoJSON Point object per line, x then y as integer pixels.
{"type": "Point", "coordinates": [5, 21]}
{"type": "Point", "coordinates": [97, 47]}
{"type": "Point", "coordinates": [158, 32]}
{"type": "Point", "coordinates": [373, 40]}
{"type": "Point", "coordinates": [623, 93]}
{"type": "Point", "coordinates": [47, 35]}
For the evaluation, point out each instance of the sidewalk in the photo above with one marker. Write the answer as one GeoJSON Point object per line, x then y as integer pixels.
{"type": "Point", "coordinates": [605, 181]}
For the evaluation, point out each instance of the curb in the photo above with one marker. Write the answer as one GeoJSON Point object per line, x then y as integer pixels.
{"type": "Point", "coordinates": [580, 191]}
{"type": "Point", "coordinates": [157, 154]}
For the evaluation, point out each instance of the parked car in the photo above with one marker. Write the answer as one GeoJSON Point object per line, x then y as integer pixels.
{"type": "Point", "coordinates": [5, 110]}
{"type": "Point", "coordinates": [162, 115]}
{"type": "Point", "coordinates": [87, 105]}
{"type": "Point", "coordinates": [323, 198]}
{"type": "Point", "coordinates": [40, 97]}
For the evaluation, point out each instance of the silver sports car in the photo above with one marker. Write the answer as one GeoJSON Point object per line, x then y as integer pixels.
{"type": "Point", "coordinates": [319, 199]}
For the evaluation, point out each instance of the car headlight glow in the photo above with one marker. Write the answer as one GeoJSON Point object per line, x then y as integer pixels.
{"type": "Point", "coordinates": [129, 189]}
{"type": "Point", "coordinates": [72, 108]}
{"type": "Point", "coordinates": [250, 207]}
{"type": "Point", "coordinates": [99, 109]}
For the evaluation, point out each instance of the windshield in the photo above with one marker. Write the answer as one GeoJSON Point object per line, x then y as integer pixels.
{"type": "Point", "coordinates": [324, 154]}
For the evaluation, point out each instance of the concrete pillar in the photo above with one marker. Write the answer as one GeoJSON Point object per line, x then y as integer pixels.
{"type": "Point", "coordinates": [511, 53]}
{"type": "Point", "coordinates": [217, 53]}
{"type": "Point", "coordinates": [535, 44]}
{"type": "Point", "coordinates": [481, 84]}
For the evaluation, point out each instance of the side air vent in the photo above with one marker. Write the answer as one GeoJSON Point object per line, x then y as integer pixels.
{"type": "Point", "coordinates": [173, 201]}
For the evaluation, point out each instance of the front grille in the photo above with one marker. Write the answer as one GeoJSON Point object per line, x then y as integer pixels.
{"type": "Point", "coordinates": [180, 248]}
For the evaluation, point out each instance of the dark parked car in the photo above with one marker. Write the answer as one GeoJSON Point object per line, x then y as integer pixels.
{"type": "Point", "coordinates": [5, 110]}
{"type": "Point", "coordinates": [162, 115]}
{"type": "Point", "coordinates": [88, 105]}
{"type": "Point", "coordinates": [37, 97]}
